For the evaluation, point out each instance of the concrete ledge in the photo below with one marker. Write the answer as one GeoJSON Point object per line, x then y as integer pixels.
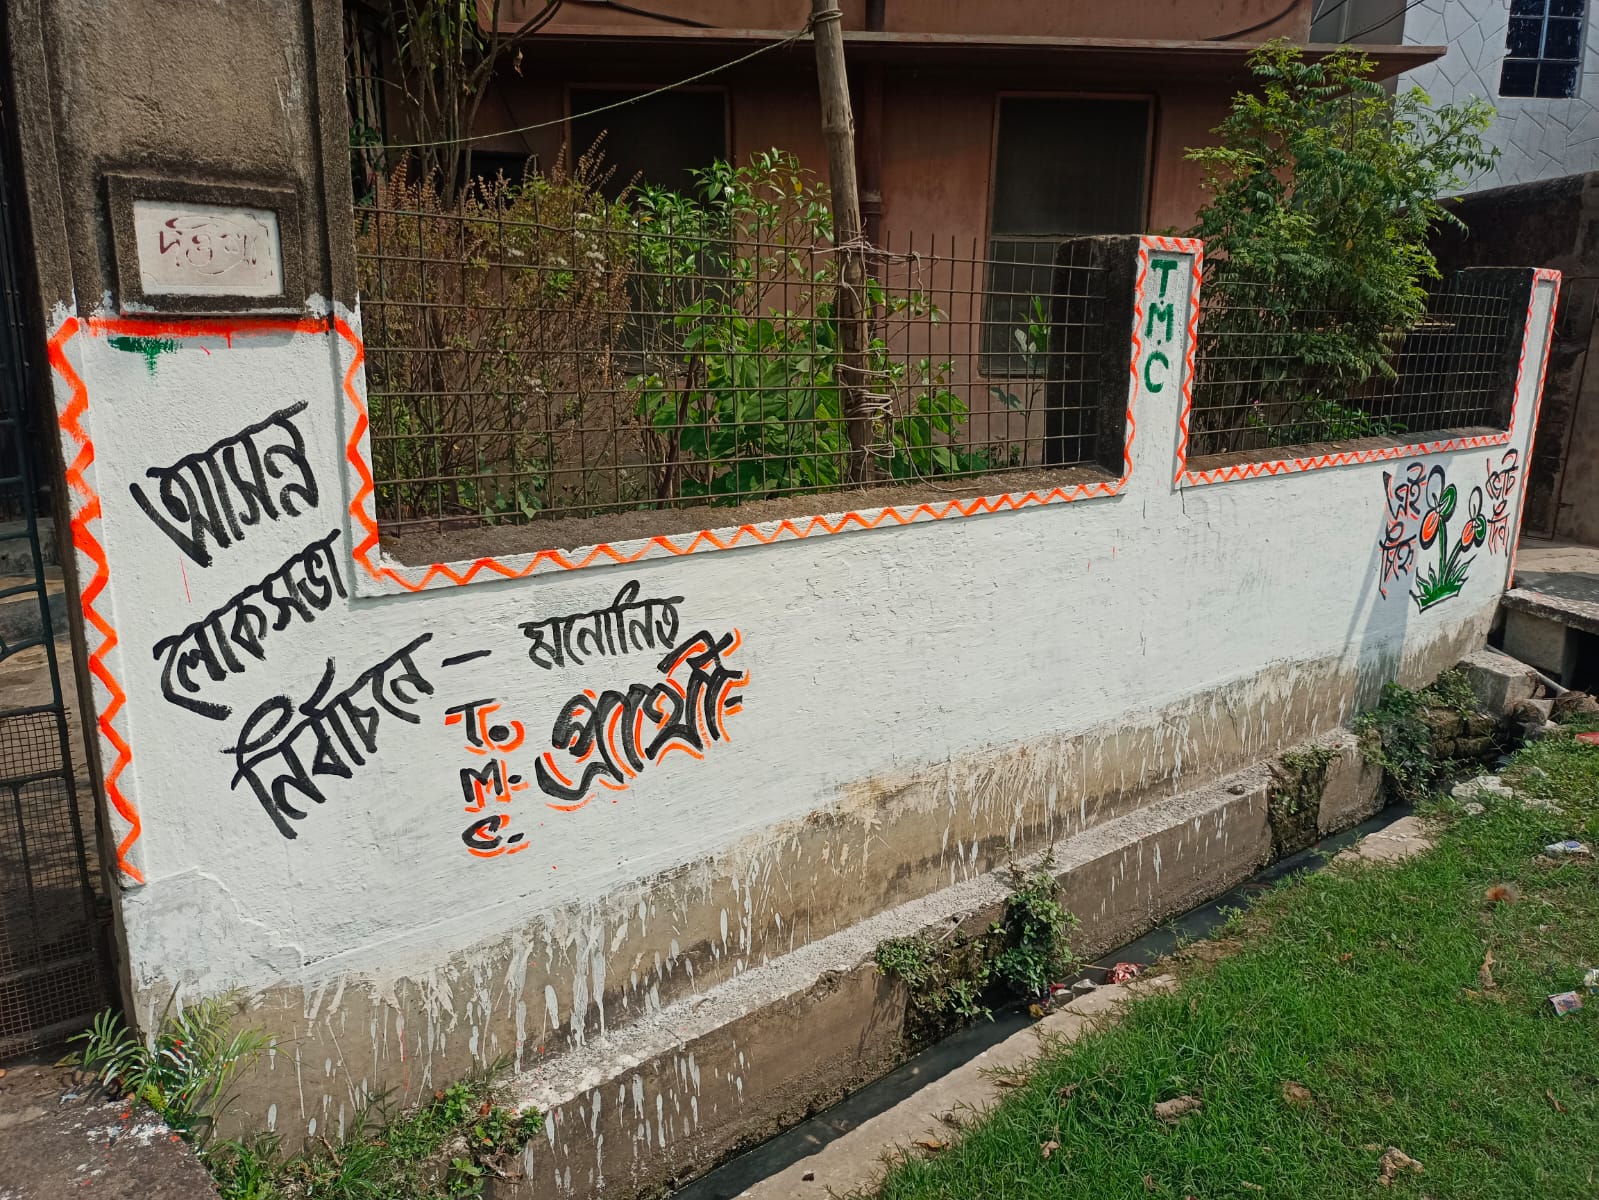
{"type": "Point", "coordinates": [1499, 681]}
{"type": "Point", "coordinates": [669, 1095]}
{"type": "Point", "coordinates": [1578, 614]}
{"type": "Point", "coordinates": [1353, 788]}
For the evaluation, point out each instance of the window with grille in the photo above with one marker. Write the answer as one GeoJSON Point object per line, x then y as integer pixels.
{"type": "Point", "coordinates": [1543, 49]}
{"type": "Point", "coordinates": [1062, 166]}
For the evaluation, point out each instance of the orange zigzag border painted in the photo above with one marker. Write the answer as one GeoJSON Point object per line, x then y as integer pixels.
{"type": "Point", "coordinates": [363, 521]}
{"type": "Point", "coordinates": [1344, 458]}
{"type": "Point", "coordinates": [86, 544]}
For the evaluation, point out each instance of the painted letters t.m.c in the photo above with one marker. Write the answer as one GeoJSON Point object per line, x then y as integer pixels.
{"type": "Point", "coordinates": [1158, 312]}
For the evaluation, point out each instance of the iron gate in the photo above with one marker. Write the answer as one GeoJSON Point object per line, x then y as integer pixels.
{"type": "Point", "coordinates": [50, 965]}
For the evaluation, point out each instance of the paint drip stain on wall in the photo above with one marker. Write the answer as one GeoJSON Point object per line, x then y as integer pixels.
{"type": "Point", "coordinates": [151, 347]}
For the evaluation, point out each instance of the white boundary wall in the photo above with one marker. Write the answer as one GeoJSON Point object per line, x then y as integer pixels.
{"type": "Point", "coordinates": [858, 655]}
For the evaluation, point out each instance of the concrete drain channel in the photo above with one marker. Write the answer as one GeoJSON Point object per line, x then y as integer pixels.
{"type": "Point", "coordinates": [803, 1140]}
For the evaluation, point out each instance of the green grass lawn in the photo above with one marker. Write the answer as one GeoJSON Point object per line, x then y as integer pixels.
{"type": "Point", "coordinates": [1362, 985]}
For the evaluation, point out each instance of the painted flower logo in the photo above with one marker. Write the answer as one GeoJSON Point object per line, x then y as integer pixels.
{"type": "Point", "coordinates": [1445, 578]}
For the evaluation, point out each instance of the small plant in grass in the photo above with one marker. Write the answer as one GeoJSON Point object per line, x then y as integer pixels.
{"type": "Point", "coordinates": [182, 1070]}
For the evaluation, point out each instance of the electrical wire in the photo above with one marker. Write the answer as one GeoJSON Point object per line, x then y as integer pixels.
{"type": "Point", "coordinates": [1271, 20]}
{"type": "Point", "coordinates": [1390, 17]}
{"type": "Point", "coordinates": [604, 108]}
{"type": "Point", "coordinates": [669, 18]}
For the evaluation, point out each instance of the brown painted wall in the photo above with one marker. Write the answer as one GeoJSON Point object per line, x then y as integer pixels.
{"type": "Point", "coordinates": [1167, 19]}
{"type": "Point", "coordinates": [937, 139]}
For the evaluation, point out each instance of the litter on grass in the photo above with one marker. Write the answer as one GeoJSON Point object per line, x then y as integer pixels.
{"type": "Point", "coordinates": [1570, 848]}
{"type": "Point", "coordinates": [1565, 1003]}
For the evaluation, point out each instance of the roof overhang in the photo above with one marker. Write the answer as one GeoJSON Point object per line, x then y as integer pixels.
{"type": "Point", "coordinates": [1134, 60]}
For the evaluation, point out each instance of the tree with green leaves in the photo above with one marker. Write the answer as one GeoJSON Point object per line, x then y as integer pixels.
{"type": "Point", "coordinates": [445, 54]}
{"type": "Point", "coordinates": [1323, 190]}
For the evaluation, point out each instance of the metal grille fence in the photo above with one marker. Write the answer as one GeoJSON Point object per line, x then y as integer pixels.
{"type": "Point", "coordinates": [1259, 382]}
{"type": "Point", "coordinates": [49, 969]}
{"type": "Point", "coordinates": [538, 353]}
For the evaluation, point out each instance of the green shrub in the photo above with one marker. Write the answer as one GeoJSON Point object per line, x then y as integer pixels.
{"type": "Point", "coordinates": [1324, 189]}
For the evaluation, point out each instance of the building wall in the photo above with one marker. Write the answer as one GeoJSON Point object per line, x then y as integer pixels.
{"type": "Point", "coordinates": [886, 701]}
{"type": "Point", "coordinates": [1537, 138]}
{"type": "Point", "coordinates": [1167, 19]}
{"type": "Point", "coordinates": [938, 139]}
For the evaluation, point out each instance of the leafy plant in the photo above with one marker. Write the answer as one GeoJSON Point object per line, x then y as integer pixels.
{"type": "Point", "coordinates": [1033, 933]}
{"type": "Point", "coordinates": [451, 1146]}
{"type": "Point", "coordinates": [1323, 191]}
{"type": "Point", "coordinates": [491, 326]}
{"type": "Point", "coordinates": [1032, 348]}
{"type": "Point", "coordinates": [951, 981]}
{"type": "Point", "coordinates": [741, 399]}
{"type": "Point", "coordinates": [182, 1071]}
{"type": "Point", "coordinates": [1402, 733]}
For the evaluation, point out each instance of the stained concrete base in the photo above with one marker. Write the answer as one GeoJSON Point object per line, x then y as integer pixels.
{"type": "Point", "coordinates": [61, 1139]}
{"type": "Point", "coordinates": [1353, 787]}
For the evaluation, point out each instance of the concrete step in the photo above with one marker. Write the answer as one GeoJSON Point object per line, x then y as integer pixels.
{"type": "Point", "coordinates": [21, 621]}
{"type": "Point", "coordinates": [669, 1095]}
{"type": "Point", "coordinates": [61, 1137]}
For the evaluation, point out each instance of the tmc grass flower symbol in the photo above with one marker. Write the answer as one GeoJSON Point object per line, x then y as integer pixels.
{"type": "Point", "coordinates": [1449, 575]}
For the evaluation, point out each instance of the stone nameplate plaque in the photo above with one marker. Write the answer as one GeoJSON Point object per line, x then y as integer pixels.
{"type": "Point", "coordinates": [204, 247]}
{"type": "Point", "coordinates": [207, 250]}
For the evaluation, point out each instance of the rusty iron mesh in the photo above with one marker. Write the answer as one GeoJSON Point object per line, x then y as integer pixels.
{"type": "Point", "coordinates": [521, 370]}
{"type": "Point", "coordinates": [1258, 384]}
{"type": "Point", "coordinates": [50, 980]}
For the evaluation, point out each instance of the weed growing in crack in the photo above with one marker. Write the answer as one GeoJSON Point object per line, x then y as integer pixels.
{"type": "Point", "coordinates": [451, 1146]}
{"type": "Point", "coordinates": [182, 1071]}
{"type": "Point", "coordinates": [954, 979]}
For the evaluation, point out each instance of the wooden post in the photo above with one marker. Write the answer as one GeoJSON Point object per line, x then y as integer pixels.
{"type": "Point", "coordinates": [849, 305]}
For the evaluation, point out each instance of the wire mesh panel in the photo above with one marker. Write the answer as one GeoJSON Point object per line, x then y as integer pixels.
{"type": "Point", "coordinates": [50, 964]}
{"type": "Point", "coordinates": [538, 353]}
{"type": "Point", "coordinates": [49, 970]}
{"type": "Point", "coordinates": [1264, 376]}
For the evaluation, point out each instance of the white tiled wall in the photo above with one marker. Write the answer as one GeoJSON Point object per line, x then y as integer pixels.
{"type": "Point", "coordinates": [1537, 138]}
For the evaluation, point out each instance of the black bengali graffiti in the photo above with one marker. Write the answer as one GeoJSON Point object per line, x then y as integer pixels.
{"type": "Point", "coordinates": [214, 495]}
{"type": "Point", "coordinates": [223, 642]}
{"type": "Point", "coordinates": [627, 625]}
{"type": "Point", "coordinates": [283, 747]}
{"type": "Point", "coordinates": [1500, 486]}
